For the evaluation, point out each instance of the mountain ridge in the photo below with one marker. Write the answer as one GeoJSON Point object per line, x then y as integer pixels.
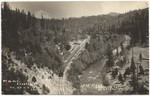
{"type": "Point", "coordinates": [113, 14]}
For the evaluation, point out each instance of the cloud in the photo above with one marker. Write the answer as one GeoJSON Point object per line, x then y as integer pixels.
{"type": "Point", "coordinates": [64, 9]}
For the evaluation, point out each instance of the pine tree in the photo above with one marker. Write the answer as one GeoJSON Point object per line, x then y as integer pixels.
{"type": "Point", "coordinates": [114, 73]}
{"type": "Point", "coordinates": [133, 82]}
{"type": "Point", "coordinates": [33, 21]}
{"type": "Point", "coordinates": [122, 49]}
{"type": "Point", "coordinates": [127, 72]}
{"type": "Point", "coordinates": [121, 64]}
{"type": "Point", "coordinates": [132, 67]}
{"type": "Point", "coordinates": [140, 57]}
{"type": "Point", "coordinates": [33, 79]}
{"type": "Point", "coordinates": [141, 70]}
{"type": "Point", "coordinates": [120, 78]}
{"type": "Point", "coordinates": [28, 20]}
{"type": "Point", "coordinates": [132, 40]}
{"type": "Point", "coordinates": [110, 61]}
{"type": "Point", "coordinates": [42, 23]}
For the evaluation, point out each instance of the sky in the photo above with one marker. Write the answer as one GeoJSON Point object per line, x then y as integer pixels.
{"type": "Point", "coordinates": [79, 8]}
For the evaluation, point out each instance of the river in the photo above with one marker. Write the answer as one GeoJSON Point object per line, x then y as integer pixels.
{"type": "Point", "coordinates": [92, 78]}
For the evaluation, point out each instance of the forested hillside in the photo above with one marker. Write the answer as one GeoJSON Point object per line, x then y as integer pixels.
{"type": "Point", "coordinates": [105, 38]}
{"type": "Point", "coordinates": [24, 34]}
{"type": "Point", "coordinates": [39, 42]}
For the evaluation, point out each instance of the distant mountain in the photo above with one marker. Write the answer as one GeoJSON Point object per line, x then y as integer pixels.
{"type": "Point", "coordinates": [113, 14]}
{"type": "Point", "coordinates": [40, 13]}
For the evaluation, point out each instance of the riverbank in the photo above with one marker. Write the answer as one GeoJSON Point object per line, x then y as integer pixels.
{"type": "Point", "coordinates": [94, 79]}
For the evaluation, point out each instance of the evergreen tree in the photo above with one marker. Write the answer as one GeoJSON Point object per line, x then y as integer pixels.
{"type": "Point", "coordinates": [120, 78]}
{"type": "Point", "coordinates": [121, 64]}
{"type": "Point", "coordinates": [110, 61]}
{"type": "Point", "coordinates": [132, 40]}
{"type": "Point", "coordinates": [28, 25]}
{"type": "Point", "coordinates": [33, 79]}
{"type": "Point", "coordinates": [132, 67]}
{"type": "Point", "coordinates": [143, 39]}
{"type": "Point", "coordinates": [133, 82]}
{"type": "Point", "coordinates": [42, 23]}
{"type": "Point", "coordinates": [127, 72]}
{"type": "Point", "coordinates": [142, 90]}
{"type": "Point", "coordinates": [140, 57]}
{"type": "Point", "coordinates": [141, 70]}
{"type": "Point", "coordinates": [33, 21]}
{"type": "Point", "coordinates": [6, 17]}
{"type": "Point", "coordinates": [122, 49]}
{"type": "Point", "coordinates": [114, 73]}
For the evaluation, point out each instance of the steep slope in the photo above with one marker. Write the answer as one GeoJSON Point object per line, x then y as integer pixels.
{"type": "Point", "coordinates": [40, 80]}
